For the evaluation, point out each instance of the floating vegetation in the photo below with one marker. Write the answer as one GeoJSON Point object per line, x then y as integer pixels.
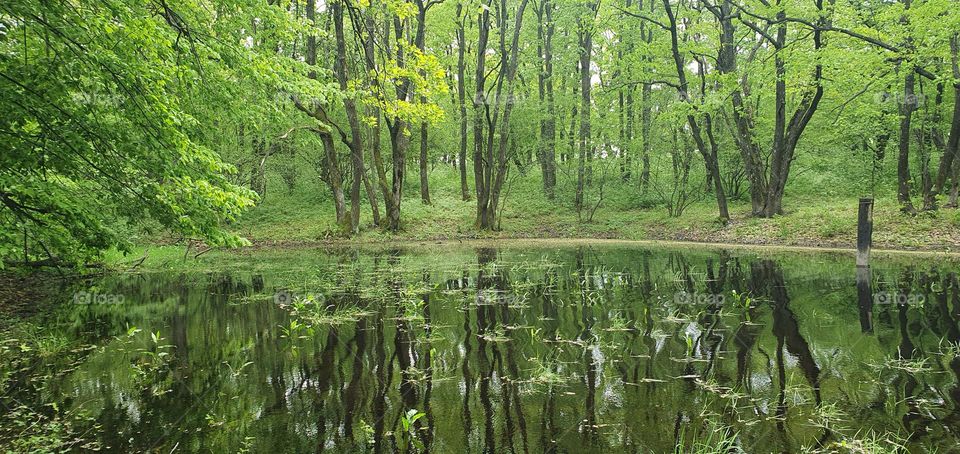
{"type": "Point", "coordinates": [712, 438]}
{"type": "Point", "coordinates": [908, 365]}
{"type": "Point", "coordinates": [864, 442]}
{"type": "Point", "coordinates": [497, 335]}
{"type": "Point", "coordinates": [544, 374]}
{"type": "Point", "coordinates": [241, 300]}
{"type": "Point", "coordinates": [310, 312]}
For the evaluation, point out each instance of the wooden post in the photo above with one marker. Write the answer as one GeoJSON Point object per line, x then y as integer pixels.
{"type": "Point", "coordinates": [865, 298]}
{"type": "Point", "coordinates": [864, 231]}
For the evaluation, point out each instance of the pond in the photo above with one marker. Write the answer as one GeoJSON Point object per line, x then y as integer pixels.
{"type": "Point", "coordinates": [573, 348]}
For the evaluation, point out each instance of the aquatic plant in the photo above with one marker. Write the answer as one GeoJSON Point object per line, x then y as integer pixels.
{"type": "Point", "coordinates": [407, 438]}
{"type": "Point", "coordinates": [714, 439]}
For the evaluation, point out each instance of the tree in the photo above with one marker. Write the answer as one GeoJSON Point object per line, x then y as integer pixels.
{"type": "Point", "coordinates": [462, 100]}
{"type": "Point", "coordinates": [397, 66]}
{"type": "Point", "coordinates": [709, 153]}
{"type": "Point", "coordinates": [315, 108]}
{"type": "Point", "coordinates": [490, 169]}
{"type": "Point", "coordinates": [105, 106]}
{"type": "Point", "coordinates": [585, 37]}
{"type": "Point", "coordinates": [547, 155]}
{"type": "Point", "coordinates": [768, 178]}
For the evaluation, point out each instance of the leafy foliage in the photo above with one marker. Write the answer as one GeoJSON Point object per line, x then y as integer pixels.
{"type": "Point", "coordinates": [109, 107]}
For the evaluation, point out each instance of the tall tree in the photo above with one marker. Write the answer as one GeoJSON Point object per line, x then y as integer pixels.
{"type": "Point", "coordinates": [907, 106]}
{"type": "Point", "coordinates": [585, 30]}
{"type": "Point", "coordinates": [547, 153]}
{"type": "Point", "coordinates": [709, 152]}
{"type": "Point", "coordinates": [949, 159]}
{"type": "Point", "coordinates": [491, 157]}
{"type": "Point", "coordinates": [324, 128]}
{"type": "Point", "coordinates": [462, 100]}
{"type": "Point", "coordinates": [397, 66]}
{"type": "Point", "coordinates": [419, 41]}
{"type": "Point", "coordinates": [768, 177]}
{"type": "Point", "coordinates": [355, 140]}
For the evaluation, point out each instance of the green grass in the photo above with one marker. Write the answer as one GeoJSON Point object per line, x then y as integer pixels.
{"type": "Point", "coordinates": [306, 215]}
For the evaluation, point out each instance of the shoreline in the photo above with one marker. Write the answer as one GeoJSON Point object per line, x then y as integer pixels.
{"type": "Point", "coordinates": [521, 241]}
{"type": "Point", "coordinates": [21, 285]}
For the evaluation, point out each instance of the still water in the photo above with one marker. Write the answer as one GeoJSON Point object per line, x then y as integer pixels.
{"type": "Point", "coordinates": [521, 349]}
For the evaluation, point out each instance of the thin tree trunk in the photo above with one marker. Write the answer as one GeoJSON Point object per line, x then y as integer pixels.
{"type": "Point", "coordinates": [750, 151]}
{"type": "Point", "coordinates": [510, 63]}
{"type": "Point", "coordinates": [947, 162]}
{"type": "Point", "coordinates": [585, 29]}
{"type": "Point", "coordinates": [930, 136]}
{"type": "Point", "coordinates": [547, 152]}
{"type": "Point", "coordinates": [491, 169]}
{"type": "Point", "coordinates": [424, 181]}
{"type": "Point", "coordinates": [480, 165]}
{"type": "Point", "coordinates": [398, 127]}
{"type": "Point", "coordinates": [258, 179]}
{"type": "Point", "coordinates": [372, 197]}
{"type": "Point", "coordinates": [903, 159]}
{"type": "Point", "coordinates": [907, 106]}
{"type": "Point", "coordinates": [331, 161]}
{"type": "Point", "coordinates": [373, 111]}
{"type": "Point", "coordinates": [571, 132]}
{"type": "Point", "coordinates": [646, 122]}
{"type": "Point", "coordinates": [335, 180]}
{"type": "Point", "coordinates": [461, 101]}
{"type": "Point", "coordinates": [646, 114]}
{"type": "Point", "coordinates": [356, 140]}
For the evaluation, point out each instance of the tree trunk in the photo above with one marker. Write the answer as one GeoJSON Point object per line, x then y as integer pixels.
{"type": "Point", "coordinates": [398, 143]}
{"type": "Point", "coordinates": [510, 63]}
{"type": "Point", "coordinates": [547, 152]}
{"type": "Point", "coordinates": [372, 197]}
{"type": "Point", "coordinates": [356, 140]}
{"type": "Point", "coordinates": [709, 154]}
{"type": "Point", "coordinates": [331, 161]}
{"type": "Point", "coordinates": [461, 101]}
{"type": "Point", "coordinates": [585, 29]}
{"type": "Point", "coordinates": [398, 127]}
{"type": "Point", "coordinates": [929, 136]}
{"type": "Point", "coordinates": [778, 156]}
{"type": "Point", "coordinates": [366, 30]}
{"type": "Point", "coordinates": [947, 162]}
{"type": "Point", "coordinates": [646, 120]}
{"type": "Point", "coordinates": [335, 180]}
{"type": "Point", "coordinates": [750, 151]}
{"type": "Point", "coordinates": [907, 107]}
{"type": "Point", "coordinates": [571, 132]}
{"type": "Point", "coordinates": [424, 181]}
{"type": "Point", "coordinates": [768, 181]}
{"type": "Point", "coordinates": [491, 170]}
{"type": "Point", "coordinates": [480, 169]}
{"type": "Point", "coordinates": [623, 155]}
{"type": "Point", "coordinates": [258, 178]}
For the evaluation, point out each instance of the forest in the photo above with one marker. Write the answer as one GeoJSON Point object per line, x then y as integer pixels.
{"type": "Point", "coordinates": [125, 121]}
{"type": "Point", "coordinates": [414, 226]}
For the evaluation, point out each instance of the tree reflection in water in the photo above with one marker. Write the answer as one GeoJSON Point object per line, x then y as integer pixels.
{"type": "Point", "coordinates": [523, 350]}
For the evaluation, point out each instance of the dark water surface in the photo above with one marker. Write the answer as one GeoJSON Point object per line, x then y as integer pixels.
{"type": "Point", "coordinates": [575, 349]}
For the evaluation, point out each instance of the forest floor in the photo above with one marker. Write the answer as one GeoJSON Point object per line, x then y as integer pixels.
{"type": "Point", "coordinates": [297, 218]}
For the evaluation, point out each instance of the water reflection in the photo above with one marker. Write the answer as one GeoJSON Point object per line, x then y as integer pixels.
{"type": "Point", "coordinates": [523, 350]}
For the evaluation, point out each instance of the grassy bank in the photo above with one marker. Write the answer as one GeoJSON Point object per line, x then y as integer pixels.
{"type": "Point", "coordinates": [306, 215]}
